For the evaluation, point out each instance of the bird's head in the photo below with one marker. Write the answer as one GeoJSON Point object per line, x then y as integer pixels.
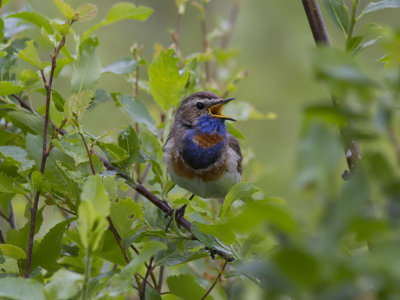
{"type": "Point", "coordinates": [202, 109]}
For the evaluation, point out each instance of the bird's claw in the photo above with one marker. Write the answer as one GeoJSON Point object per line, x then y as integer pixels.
{"type": "Point", "coordinates": [179, 213]}
{"type": "Point", "coordinates": [212, 252]}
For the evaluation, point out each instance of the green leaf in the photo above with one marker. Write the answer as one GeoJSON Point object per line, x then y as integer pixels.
{"type": "Point", "coordinates": [124, 213]}
{"type": "Point", "coordinates": [10, 87]}
{"type": "Point", "coordinates": [29, 77]}
{"type": "Point", "coordinates": [65, 9]}
{"type": "Point", "coordinates": [379, 5]}
{"type": "Point", "coordinates": [86, 12]}
{"type": "Point", "coordinates": [93, 191]}
{"type": "Point", "coordinates": [340, 71]}
{"type": "Point", "coordinates": [262, 212]}
{"type": "Point", "coordinates": [138, 112]}
{"type": "Point", "coordinates": [339, 13]}
{"type": "Point", "coordinates": [21, 289]}
{"type": "Point", "coordinates": [129, 141]}
{"type": "Point", "coordinates": [30, 55]}
{"type": "Point", "coordinates": [186, 287]}
{"type": "Point", "coordinates": [122, 11]}
{"type": "Point", "coordinates": [121, 66]}
{"type": "Point", "coordinates": [12, 251]}
{"type": "Point", "coordinates": [222, 231]}
{"type": "Point", "coordinates": [92, 212]}
{"type": "Point", "coordinates": [87, 68]}
{"type": "Point", "coordinates": [18, 157]}
{"type": "Point", "coordinates": [64, 284]}
{"type": "Point", "coordinates": [242, 191]}
{"type": "Point", "coordinates": [49, 249]}
{"type": "Point", "coordinates": [77, 104]}
{"type": "Point", "coordinates": [167, 86]}
{"type": "Point", "coordinates": [209, 240]}
{"type": "Point", "coordinates": [179, 252]}
{"type": "Point", "coordinates": [8, 185]}
{"type": "Point", "coordinates": [35, 18]}
{"type": "Point", "coordinates": [73, 146]}
{"type": "Point", "coordinates": [234, 131]}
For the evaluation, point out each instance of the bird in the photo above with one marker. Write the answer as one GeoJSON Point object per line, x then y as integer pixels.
{"type": "Point", "coordinates": [200, 155]}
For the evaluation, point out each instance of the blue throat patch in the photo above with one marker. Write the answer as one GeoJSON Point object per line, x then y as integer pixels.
{"type": "Point", "coordinates": [198, 157]}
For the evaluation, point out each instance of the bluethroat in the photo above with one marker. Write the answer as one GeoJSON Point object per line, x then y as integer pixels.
{"type": "Point", "coordinates": [200, 155]}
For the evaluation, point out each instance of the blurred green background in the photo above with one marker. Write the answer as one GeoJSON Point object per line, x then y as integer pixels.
{"type": "Point", "coordinates": [275, 46]}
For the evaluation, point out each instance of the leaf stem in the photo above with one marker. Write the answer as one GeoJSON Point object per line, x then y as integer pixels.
{"type": "Point", "coordinates": [353, 20]}
{"type": "Point", "coordinates": [215, 281]}
{"type": "Point", "coordinates": [88, 267]}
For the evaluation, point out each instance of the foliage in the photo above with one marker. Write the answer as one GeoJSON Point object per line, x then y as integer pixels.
{"type": "Point", "coordinates": [111, 192]}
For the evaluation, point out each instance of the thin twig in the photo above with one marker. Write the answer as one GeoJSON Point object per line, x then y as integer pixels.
{"type": "Point", "coordinates": [148, 272]}
{"type": "Point", "coordinates": [215, 281]}
{"type": "Point", "coordinates": [206, 43]}
{"type": "Point", "coordinates": [89, 153]}
{"type": "Point", "coordinates": [22, 102]}
{"type": "Point", "coordinates": [2, 241]}
{"type": "Point", "coordinates": [48, 86]}
{"type": "Point", "coordinates": [177, 33]}
{"type": "Point", "coordinates": [160, 279]}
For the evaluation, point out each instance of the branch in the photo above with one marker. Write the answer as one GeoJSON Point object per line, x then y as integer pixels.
{"type": "Point", "coordinates": [321, 37]}
{"type": "Point", "coordinates": [47, 85]}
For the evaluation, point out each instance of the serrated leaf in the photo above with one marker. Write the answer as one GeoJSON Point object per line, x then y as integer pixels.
{"type": "Point", "coordinates": [379, 5]}
{"type": "Point", "coordinates": [78, 103]}
{"type": "Point", "coordinates": [12, 251]}
{"type": "Point", "coordinates": [18, 157]}
{"type": "Point", "coordinates": [30, 55]}
{"type": "Point", "coordinates": [242, 191]}
{"type": "Point", "coordinates": [21, 289]}
{"type": "Point", "coordinates": [49, 248]}
{"type": "Point", "coordinates": [121, 66]}
{"type": "Point", "coordinates": [339, 13]}
{"type": "Point", "coordinates": [123, 213]}
{"type": "Point", "coordinates": [64, 284]}
{"type": "Point", "coordinates": [186, 287]}
{"type": "Point", "coordinates": [65, 9]}
{"type": "Point", "coordinates": [87, 68]}
{"type": "Point", "coordinates": [86, 12]}
{"type": "Point", "coordinates": [73, 146]}
{"type": "Point", "coordinates": [122, 11]}
{"type": "Point", "coordinates": [10, 87]}
{"type": "Point", "coordinates": [35, 18]}
{"type": "Point", "coordinates": [129, 141]}
{"type": "Point", "coordinates": [167, 86]}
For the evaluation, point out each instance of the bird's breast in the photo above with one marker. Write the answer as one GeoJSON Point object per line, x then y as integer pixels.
{"type": "Point", "coordinates": [202, 150]}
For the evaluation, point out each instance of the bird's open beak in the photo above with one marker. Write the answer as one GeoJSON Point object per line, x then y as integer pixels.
{"type": "Point", "coordinates": [216, 109]}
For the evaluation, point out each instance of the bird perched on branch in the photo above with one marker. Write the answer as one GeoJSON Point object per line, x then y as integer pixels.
{"type": "Point", "coordinates": [200, 155]}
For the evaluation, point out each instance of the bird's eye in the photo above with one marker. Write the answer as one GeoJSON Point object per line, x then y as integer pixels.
{"type": "Point", "coordinates": [199, 105]}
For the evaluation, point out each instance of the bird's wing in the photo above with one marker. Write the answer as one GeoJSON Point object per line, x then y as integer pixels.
{"type": "Point", "coordinates": [234, 144]}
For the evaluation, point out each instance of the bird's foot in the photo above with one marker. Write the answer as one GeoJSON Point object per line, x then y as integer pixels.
{"type": "Point", "coordinates": [212, 252]}
{"type": "Point", "coordinates": [179, 213]}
